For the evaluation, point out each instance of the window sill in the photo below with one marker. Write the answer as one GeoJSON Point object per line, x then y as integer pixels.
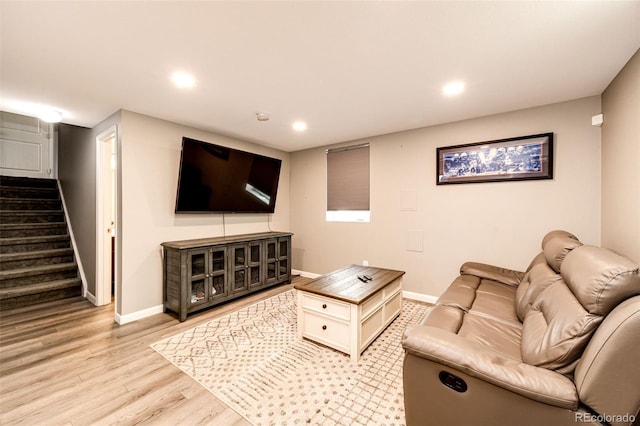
{"type": "Point", "coordinates": [357, 216]}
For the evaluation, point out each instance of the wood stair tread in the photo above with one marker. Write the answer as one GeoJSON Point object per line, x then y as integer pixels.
{"type": "Point", "coordinates": [6, 226]}
{"type": "Point", "coordinates": [35, 254]}
{"type": "Point", "coordinates": [31, 212]}
{"type": "Point", "coordinates": [36, 270]}
{"type": "Point", "coordinates": [6, 293]}
{"type": "Point", "coordinates": [22, 240]}
{"type": "Point", "coordinates": [13, 181]}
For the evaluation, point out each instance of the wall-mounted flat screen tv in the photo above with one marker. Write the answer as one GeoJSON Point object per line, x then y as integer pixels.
{"type": "Point", "coordinates": [217, 179]}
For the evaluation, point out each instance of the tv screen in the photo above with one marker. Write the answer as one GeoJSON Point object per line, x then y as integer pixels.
{"type": "Point", "coordinates": [217, 179]}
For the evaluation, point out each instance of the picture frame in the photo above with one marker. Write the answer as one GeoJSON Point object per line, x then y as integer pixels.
{"type": "Point", "coordinates": [520, 158]}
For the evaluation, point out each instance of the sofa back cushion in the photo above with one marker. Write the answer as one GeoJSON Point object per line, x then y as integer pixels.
{"type": "Point", "coordinates": [536, 260]}
{"type": "Point", "coordinates": [555, 234]}
{"type": "Point", "coordinates": [562, 319]}
{"type": "Point", "coordinates": [544, 269]}
{"type": "Point", "coordinates": [556, 329]}
{"type": "Point", "coordinates": [600, 278]}
{"type": "Point", "coordinates": [535, 281]}
{"type": "Point", "coordinates": [557, 249]}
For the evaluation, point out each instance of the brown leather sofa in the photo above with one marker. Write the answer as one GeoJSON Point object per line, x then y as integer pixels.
{"type": "Point", "coordinates": [557, 344]}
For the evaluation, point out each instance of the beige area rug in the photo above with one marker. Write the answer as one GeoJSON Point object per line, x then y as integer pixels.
{"type": "Point", "coordinates": [252, 361]}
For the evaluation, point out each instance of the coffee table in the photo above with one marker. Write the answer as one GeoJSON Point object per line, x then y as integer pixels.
{"type": "Point", "coordinates": [344, 313]}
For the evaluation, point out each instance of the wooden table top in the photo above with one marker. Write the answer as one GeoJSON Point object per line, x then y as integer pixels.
{"type": "Point", "coordinates": [199, 242]}
{"type": "Point", "coordinates": [344, 284]}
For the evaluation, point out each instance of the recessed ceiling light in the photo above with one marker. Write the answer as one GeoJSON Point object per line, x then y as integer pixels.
{"type": "Point", "coordinates": [183, 80]}
{"type": "Point", "coordinates": [50, 116]}
{"type": "Point", "coordinates": [453, 88]}
{"type": "Point", "coordinates": [299, 126]}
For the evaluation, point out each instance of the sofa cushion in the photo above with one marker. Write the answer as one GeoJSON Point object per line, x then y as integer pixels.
{"type": "Point", "coordinates": [494, 273]}
{"type": "Point", "coordinates": [496, 300]}
{"type": "Point", "coordinates": [600, 278]}
{"type": "Point", "coordinates": [556, 329]}
{"type": "Point", "coordinates": [461, 293]}
{"type": "Point", "coordinates": [492, 333]}
{"type": "Point", "coordinates": [534, 282]}
{"type": "Point", "coordinates": [444, 317]}
{"type": "Point", "coordinates": [556, 249]}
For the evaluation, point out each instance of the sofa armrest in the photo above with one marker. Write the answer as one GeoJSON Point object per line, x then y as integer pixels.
{"type": "Point", "coordinates": [490, 272]}
{"type": "Point", "coordinates": [485, 363]}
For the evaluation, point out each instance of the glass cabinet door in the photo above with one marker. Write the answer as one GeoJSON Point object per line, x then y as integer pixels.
{"type": "Point", "coordinates": [283, 257]}
{"type": "Point", "coordinates": [255, 264]}
{"type": "Point", "coordinates": [239, 265]}
{"type": "Point", "coordinates": [271, 260]}
{"type": "Point", "coordinates": [197, 276]}
{"type": "Point", "coordinates": [217, 274]}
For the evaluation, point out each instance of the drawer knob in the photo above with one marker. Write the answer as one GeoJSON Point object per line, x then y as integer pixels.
{"type": "Point", "coordinates": [324, 327]}
{"type": "Point", "coordinates": [324, 306]}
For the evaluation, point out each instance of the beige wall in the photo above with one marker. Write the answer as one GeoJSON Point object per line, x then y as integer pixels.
{"type": "Point", "coordinates": [620, 162]}
{"type": "Point", "coordinates": [500, 223]}
{"type": "Point", "coordinates": [150, 156]}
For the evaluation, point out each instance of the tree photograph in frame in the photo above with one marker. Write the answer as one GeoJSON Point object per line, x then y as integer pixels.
{"type": "Point", "coordinates": [521, 158]}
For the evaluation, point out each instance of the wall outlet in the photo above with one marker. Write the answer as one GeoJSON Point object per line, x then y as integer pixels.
{"type": "Point", "coordinates": [365, 263]}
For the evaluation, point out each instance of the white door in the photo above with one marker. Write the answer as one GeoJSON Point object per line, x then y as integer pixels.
{"type": "Point", "coordinates": [106, 213]}
{"type": "Point", "coordinates": [26, 145]}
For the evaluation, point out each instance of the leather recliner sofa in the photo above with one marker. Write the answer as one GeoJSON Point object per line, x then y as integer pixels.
{"type": "Point", "coordinates": [557, 344]}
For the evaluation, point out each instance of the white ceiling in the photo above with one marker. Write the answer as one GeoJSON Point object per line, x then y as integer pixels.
{"type": "Point", "coordinates": [349, 69]}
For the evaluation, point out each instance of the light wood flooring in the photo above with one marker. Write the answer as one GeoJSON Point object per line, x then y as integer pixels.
{"type": "Point", "coordinates": [70, 363]}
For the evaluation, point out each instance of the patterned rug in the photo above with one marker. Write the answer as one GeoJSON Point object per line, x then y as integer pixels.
{"type": "Point", "coordinates": [252, 361]}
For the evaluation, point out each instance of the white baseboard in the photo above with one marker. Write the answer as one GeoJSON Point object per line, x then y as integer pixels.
{"type": "Point", "coordinates": [419, 297]}
{"type": "Point", "coordinates": [124, 319]}
{"type": "Point", "coordinates": [90, 297]}
{"type": "Point", "coordinates": [305, 274]}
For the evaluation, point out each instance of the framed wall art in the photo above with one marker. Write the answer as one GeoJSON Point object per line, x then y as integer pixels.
{"type": "Point", "coordinates": [521, 158]}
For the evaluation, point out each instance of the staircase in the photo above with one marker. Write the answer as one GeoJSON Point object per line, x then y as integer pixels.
{"type": "Point", "coordinates": [36, 259]}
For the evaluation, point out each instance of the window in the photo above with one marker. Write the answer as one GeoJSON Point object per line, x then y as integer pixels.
{"type": "Point", "coordinates": [348, 184]}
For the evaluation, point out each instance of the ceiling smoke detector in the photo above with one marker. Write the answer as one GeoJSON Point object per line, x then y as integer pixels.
{"type": "Point", "coordinates": [262, 116]}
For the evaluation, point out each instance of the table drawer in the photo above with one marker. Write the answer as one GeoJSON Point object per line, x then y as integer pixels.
{"type": "Point", "coordinates": [331, 332]}
{"type": "Point", "coordinates": [392, 288]}
{"type": "Point", "coordinates": [371, 304]}
{"type": "Point", "coordinates": [393, 307]}
{"type": "Point", "coordinates": [371, 327]}
{"type": "Point", "coordinates": [326, 306]}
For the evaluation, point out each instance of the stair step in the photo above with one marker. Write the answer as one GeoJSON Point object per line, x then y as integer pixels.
{"type": "Point", "coordinates": [27, 182]}
{"type": "Point", "coordinates": [20, 230]}
{"type": "Point", "coordinates": [31, 216]}
{"type": "Point", "coordinates": [43, 286]}
{"type": "Point", "coordinates": [32, 275]}
{"type": "Point", "coordinates": [35, 258]}
{"type": "Point", "coordinates": [29, 204]}
{"type": "Point", "coordinates": [24, 192]}
{"type": "Point", "coordinates": [37, 263]}
{"type": "Point", "coordinates": [26, 244]}
{"type": "Point", "coordinates": [38, 293]}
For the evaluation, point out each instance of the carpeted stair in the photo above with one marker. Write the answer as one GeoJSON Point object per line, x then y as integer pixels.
{"type": "Point", "coordinates": [36, 259]}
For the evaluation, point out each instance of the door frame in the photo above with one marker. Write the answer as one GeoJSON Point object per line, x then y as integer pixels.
{"type": "Point", "coordinates": [106, 185]}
